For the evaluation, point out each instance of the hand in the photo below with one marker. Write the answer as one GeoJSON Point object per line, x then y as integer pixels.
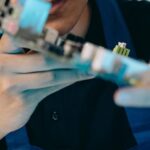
{"type": "Point", "coordinates": [25, 80]}
{"type": "Point", "coordinates": [138, 96]}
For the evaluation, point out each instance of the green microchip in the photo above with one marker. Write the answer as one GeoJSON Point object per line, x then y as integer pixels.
{"type": "Point", "coordinates": [121, 49]}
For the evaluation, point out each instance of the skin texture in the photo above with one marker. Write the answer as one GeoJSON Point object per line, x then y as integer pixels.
{"type": "Point", "coordinates": [26, 79]}
{"type": "Point", "coordinates": [138, 96]}
{"type": "Point", "coordinates": [67, 16]}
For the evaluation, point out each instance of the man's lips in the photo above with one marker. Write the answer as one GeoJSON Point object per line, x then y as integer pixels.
{"type": "Point", "coordinates": [56, 5]}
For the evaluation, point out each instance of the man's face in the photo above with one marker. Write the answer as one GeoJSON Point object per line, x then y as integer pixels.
{"type": "Point", "coordinates": [65, 14]}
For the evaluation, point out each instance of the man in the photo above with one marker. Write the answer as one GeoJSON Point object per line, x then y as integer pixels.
{"type": "Point", "coordinates": [80, 116]}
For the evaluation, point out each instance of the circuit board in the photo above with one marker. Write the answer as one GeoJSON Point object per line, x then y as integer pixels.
{"type": "Point", "coordinates": [26, 26]}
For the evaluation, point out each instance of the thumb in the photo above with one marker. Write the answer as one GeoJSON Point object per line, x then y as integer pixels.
{"type": "Point", "coordinates": [133, 97]}
{"type": "Point", "coordinates": [7, 45]}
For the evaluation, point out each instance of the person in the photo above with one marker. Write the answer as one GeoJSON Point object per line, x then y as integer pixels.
{"type": "Point", "coordinates": [60, 112]}
{"type": "Point", "coordinates": [141, 92]}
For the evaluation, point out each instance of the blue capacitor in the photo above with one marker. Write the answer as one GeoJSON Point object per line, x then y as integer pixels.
{"type": "Point", "coordinates": [34, 15]}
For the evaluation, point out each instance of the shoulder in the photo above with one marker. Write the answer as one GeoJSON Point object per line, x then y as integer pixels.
{"type": "Point", "coordinates": [136, 14]}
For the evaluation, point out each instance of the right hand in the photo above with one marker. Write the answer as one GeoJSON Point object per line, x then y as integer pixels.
{"type": "Point", "coordinates": [26, 79]}
{"type": "Point", "coordinates": [137, 96]}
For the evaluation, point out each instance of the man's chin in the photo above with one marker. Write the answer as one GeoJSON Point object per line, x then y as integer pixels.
{"type": "Point", "coordinates": [60, 29]}
{"type": "Point", "coordinates": [61, 26]}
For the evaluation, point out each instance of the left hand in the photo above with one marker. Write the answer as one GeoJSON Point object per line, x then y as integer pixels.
{"type": "Point", "coordinates": [138, 96]}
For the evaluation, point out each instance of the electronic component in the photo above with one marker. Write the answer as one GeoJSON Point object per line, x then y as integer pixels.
{"type": "Point", "coordinates": [110, 66]}
{"type": "Point", "coordinates": [121, 49]}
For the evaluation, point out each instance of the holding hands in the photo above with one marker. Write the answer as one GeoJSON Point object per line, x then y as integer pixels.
{"type": "Point", "coordinates": [25, 80]}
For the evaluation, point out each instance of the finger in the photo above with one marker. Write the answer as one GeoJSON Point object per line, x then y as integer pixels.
{"type": "Point", "coordinates": [140, 79]}
{"type": "Point", "coordinates": [46, 79]}
{"type": "Point", "coordinates": [145, 78]}
{"type": "Point", "coordinates": [133, 97]}
{"type": "Point", "coordinates": [38, 95]}
{"type": "Point", "coordinates": [26, 63]}
{"type": "Point", "coordinates": [7, 45]}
